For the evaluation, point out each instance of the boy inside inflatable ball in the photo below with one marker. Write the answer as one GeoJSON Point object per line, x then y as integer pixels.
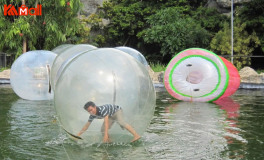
{"type": "Point", "coordinates": [110, 113]}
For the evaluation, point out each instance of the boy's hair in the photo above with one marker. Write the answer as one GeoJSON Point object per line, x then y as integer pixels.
{"type": "Point", "coordinates": [90, 103]}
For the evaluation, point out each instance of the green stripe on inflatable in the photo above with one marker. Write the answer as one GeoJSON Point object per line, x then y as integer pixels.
{"type": "Point", "coordinates": [219, 77]}
{"type": "Point", "coordinates": [184, 58]}
{"type": "Point", "coordinates": [226, 71]}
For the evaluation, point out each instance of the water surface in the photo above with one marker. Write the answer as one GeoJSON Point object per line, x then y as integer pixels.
{"type": "Point", "coordinates": [231, 129]}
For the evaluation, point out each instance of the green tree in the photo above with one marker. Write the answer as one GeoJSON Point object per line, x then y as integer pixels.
{"type": "Point", "coordinates": [252, 13]}
{"type": "Point", "coordinates": [210, 19]}
{"type": "Point", "coordinates": [174, 32]}
{"type": "Point", "coordinates": [57, 23]}
{"type": "Point", "coordinates": [128, 18]}
{"type": "Point", "coordinates": [244, 43]}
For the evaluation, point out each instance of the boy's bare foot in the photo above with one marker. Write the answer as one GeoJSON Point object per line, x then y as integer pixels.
{"type": "Point", "coordinates": [136, 138]}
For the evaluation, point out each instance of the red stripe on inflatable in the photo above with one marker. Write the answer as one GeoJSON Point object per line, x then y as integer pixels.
{"type": "Point", "coordinates": [234, 78]}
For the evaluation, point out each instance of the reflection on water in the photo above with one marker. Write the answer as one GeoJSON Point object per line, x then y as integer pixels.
{"type": "Point", "coordinates": [249, 125]}
{"type": "Point", "coordinates": [231, 128]}
{"type": "Point", "coordinates": [189, 130]}
{"type": "Point", "coordinates": [29, 125]}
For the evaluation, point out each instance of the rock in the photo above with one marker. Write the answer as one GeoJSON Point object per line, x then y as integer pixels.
{"type": "Point", "coordinates": [5, 74]}
{"type": "Point", "coordinates": [262, 77]}
{"type": "Point", "coordinates": [224, 6]}
{"type": "Point", "coordinates": [90, 6]}
{"type": "Point", "coordinates": [151, 73]}
{"type": "Point", "coordinates": [247, 71]}
{"type": "Point", "coordinates": [249, 75]}
{"type": "Point", "coordinates": [105, 22]}
{"type": "Point", "coordinates": [214, 4]}
{"type": "Point", "coordinates": [156, 77]}
{"type": "Point", "coordinates": [227, 3]}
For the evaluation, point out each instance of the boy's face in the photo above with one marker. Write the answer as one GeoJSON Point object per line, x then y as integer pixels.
{"type": "Point", "coordinates": [91, 110]}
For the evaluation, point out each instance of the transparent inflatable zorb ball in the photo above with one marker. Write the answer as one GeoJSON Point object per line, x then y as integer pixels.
{"type": "Point", "coordinates": [104, 76]}
{"type": "Point", "coordinates": [65, 54]}
{"type": "Point", "coordinates": [134, 53]}
{"type": "Point", "coordinates": [29, 75]}
{"type": "Point", "coordinates": [61, 48]}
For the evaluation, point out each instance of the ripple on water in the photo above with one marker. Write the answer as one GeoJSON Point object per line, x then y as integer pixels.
{"type": "Point", "coordinates": [188, 131]}
{"type": "Point", "coordinates": [179, 130]}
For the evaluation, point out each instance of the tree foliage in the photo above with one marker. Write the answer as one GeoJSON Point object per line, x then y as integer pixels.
{"type": "Point", "coordinates": [57, 23]}
{"type": "Point", "coordinates": [174, 32]}
{"type": "Point", "coordinates": [244, 43]}
{"type": "Point", "coordinates": [252, 13]}
{"type": "Point", "coordinates": [157, 28]}
{"type": "Point", "coordinates": [128, 22]}
{"type": "Point", "coordinates": [209, 19]}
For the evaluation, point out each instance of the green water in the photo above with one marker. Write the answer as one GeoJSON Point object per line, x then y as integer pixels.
{"type": "Point", "coordinates": [231, 129]}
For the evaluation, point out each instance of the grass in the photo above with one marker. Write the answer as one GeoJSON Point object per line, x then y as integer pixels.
{"type": "Point", "coordinates": [157, 67]}
{"type": "Point", "coordinates": [260, 71]}
{"type": "Point", "coordinates": [3, 68]}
